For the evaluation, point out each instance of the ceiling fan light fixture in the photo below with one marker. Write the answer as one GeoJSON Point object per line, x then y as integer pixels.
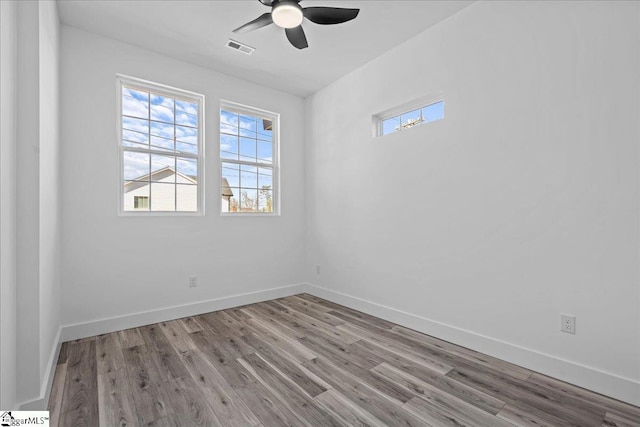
{"type": "Point", "coordinates": [287, 15]}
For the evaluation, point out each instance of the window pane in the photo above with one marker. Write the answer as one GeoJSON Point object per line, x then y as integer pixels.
{"type": "Point", "coordinates": [228, 146]}
{"type": "Point", "coordinates": [265, 179]}
{"type": "Point", "coordinates": [265, 152]}
{"type": "Point", "coordinates": [136, 166]}
{"type": "Point", "coordinates": [141, 95]}
{"type": "Point", "coordinates": [228, 122]}
{"type": "Point", "coordinates": [231, 173]}
{"type": "Point", "coordinates": [248, 176]}
{"type": "Point", "coordinates": [135, 103]}
{"type": "Point", "coordinates": [433, 112]}
{"type": "Point", "coordinates": [162, 143]}
{"type": "Point", "coordinates": [186, 119]}
{"type": "Point", "coordinates": [187, 134]}
{"type": "Point", "coordinates": [187, 198]}
{"type": "Point", "coordinates": [162, 129]}
{"type": "Point", "coordinates": [233, 202]}
{"type": "Point", "coordinates": [265, 200]}
{"type": "Point", "coordinates": [264, 129]}
{"type": "Point", "coordinates": [228, 129]}
{"type": "Point", "coordinates": [247, 149]}
{"type": "Point", "coordinates": [249, 200]}
{"type": "Point", "coordinates": [186, 113]}
{"type": "Point", "coordinates": [163, 197]}
{"type": "Point", "coordinates": [133, 136]}
{"type": "Point", "coordinates": [187, 107]}
{"type": "Point", "coordinates": [188, 168]}
{"type": "Point", "coordinates": [162, 108]}
{"type": "Point", "coordinates": [247, 126]}
{"type": "Point", "coordinates": [390, 125]}
{"type": "Point", "coordinates": [137, 125]}
{"type": "Point", "coordinates": [227, 194]}
{"type": "Point", "coordinates": [163, 168]}
{"type": "Point", "coordinates": [133, 190]}
{"type": "Point", "coordinates": [183, 147]}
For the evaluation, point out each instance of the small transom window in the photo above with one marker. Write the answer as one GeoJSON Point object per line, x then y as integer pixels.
{"type": "Point", "coordinates": [408, 116]}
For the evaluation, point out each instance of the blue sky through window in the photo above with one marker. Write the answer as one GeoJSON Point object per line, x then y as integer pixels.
{"type": "Point", "coordinates": [161, 123]}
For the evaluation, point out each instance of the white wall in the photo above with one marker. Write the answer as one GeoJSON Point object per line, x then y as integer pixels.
{"type": "Point", "coordinates": [28, 202]}
{"type": "Point", "coordinates": [8, 60]}
{"type": "Point", "coordinates": [50, 192]}
{"type": "Point", "coordinates": [33, 195]}
{"type": "Point", "coordinates": [520, 205]}
{"type": "Point", "coordinates": [113, 265]}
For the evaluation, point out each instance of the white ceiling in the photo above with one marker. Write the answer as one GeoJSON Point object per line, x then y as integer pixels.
{"type": "Point", "coordinates": [196, 32]}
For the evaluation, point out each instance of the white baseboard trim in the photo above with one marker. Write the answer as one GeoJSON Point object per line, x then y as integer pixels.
{"type": "Point", "coordinates": [103, 326]}
{"type": "Point", "coordinates": [40, 404]}
{"type": "Point", "coordinates": [624, 389]}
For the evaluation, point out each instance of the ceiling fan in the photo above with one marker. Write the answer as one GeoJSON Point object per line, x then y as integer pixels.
{"type": "Point", "coordinates": [288, 14]}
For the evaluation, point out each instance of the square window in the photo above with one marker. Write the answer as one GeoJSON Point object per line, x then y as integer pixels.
{"type": "Point", "coordinates": [160, 143]}
{"type": "Point", "coordinates": [141, 202]}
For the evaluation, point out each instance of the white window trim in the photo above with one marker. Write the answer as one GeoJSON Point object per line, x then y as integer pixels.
{"type": "Point", "coordinates": [164, 90]}
{"type": "Point", "coordinates": [275, 135]}
{"type": "Point", "coordinates": [407, 107]}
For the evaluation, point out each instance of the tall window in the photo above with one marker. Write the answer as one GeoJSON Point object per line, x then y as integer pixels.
{"type": "Point", "coordinates": [249, 161]}
{"type": "Point", "coordinates": [161, 148]}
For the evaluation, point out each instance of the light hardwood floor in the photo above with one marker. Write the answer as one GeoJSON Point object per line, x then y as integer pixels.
{"type": "Point", "coordinates": [304, 361]}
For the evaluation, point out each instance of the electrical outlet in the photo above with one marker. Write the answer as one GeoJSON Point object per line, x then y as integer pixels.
{"type": "Point", "coordinates": [193, 281]}
{"type": "Point", "coordinates": [317, 269]}
{"type": "Point", "coordinates": [568, 323]}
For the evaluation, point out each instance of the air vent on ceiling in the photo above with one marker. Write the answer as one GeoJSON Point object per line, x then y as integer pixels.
{"type": "Point", "coordinates": [241, 47]}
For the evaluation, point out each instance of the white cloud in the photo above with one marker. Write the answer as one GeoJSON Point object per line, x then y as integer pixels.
{"type": "Point", "coordinates": [137, 125]}
{"type": "Point", "coordinates": [134, 107]}
{"type": "Point", "coordinates": [228, 118]}
{"type": "Point", "coordinates": [135, 165]}
{"type": "Point", "coordinates": [187, 107]}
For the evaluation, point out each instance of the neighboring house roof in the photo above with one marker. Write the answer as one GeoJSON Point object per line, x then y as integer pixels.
{"type": "Point", "coordinates": [162, 171]}
{"type": "Point", "coordinates": [226, 190]}
{"type": "Point", "coordinates": [166, 171]}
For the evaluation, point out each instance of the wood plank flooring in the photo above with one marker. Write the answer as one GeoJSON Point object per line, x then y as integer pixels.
{"type": "Point", "coordinates": [304, 361]}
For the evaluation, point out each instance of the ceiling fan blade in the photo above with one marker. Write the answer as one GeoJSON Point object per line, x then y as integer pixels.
{"type": "Point", "coordinates": [266, 2]}
{"type": "Point", "coordinates": [329, 15]}
{"type": "Point", "coordinates": [296, 37]}
{"type": "Point", "coordinates": [262, 21]}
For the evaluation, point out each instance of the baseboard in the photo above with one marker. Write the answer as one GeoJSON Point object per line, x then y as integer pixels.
{"type": "Point", "coordinates": [40, 404]}
{"type": "Point", "coordinates": [103, 326]}
{"type": "Point", "coordinates": [624, 389]}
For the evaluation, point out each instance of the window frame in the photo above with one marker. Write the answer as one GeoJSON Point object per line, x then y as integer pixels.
{"type": "Point", "coordinates": [274, 165]}
{"type": "Point", "coordinates": [168, 91]}
{"type": "Point", "coordinates": [420, 103]}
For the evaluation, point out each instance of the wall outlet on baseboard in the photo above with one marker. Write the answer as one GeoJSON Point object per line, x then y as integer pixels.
{"type": "Point", "coordinates": [193, 281]}
{"type": "Point", "coordinates": [568, 323]}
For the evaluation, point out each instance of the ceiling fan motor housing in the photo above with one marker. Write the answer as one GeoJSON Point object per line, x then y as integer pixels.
{"type": "Point", "coordinates": [287, 13]}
